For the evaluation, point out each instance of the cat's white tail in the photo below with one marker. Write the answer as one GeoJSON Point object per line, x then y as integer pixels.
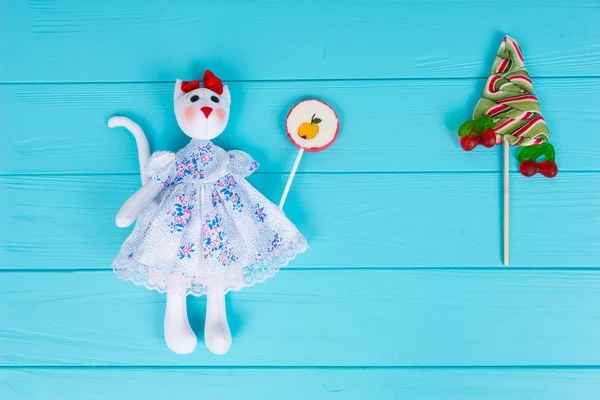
{"type": "Point", "coordinates": [140, 140]}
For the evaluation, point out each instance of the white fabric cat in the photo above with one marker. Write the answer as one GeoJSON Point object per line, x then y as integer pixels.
{"type": "Point", "coordinates": [201, 227]}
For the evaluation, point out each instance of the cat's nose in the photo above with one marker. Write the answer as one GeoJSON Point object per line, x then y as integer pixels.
{"type": "Point", "coordinates": [206, 111]}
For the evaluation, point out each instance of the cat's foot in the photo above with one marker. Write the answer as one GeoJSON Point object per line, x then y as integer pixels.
{"type": "Point", "coordinates": [179, 336]}
{"type": "Point", "coordinates": [217, 338]}
{"type": "Point", "coordinates": [217, 335]}
{"type": "Point", "coordinates": [180, 339]}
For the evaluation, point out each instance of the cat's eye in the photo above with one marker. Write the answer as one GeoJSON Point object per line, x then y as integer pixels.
{"type": "Point", "coordinates": [215, 99]}
{"type": "Point", "coordinates": [194, 98]}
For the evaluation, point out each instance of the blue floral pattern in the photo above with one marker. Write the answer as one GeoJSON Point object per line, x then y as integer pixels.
{"type": "Point", "coordinates": [192, 164]}
{"type": "Point", "coordinates": [186, 251]}
{"type": "Point", "coordinates": [216, 198]}
{"type": "Point", "coordinates": [227, 187]}
{"type": "Point", "coordinates": [216, 244]}
{"type": "Point", "coordinates": [208, 226]}
{"type": "Point", "coordinates": [259, 212]}
{"type": "Point", "coordinates": [275, 242]}
{"type": "Point", "coordinates": [181, 212]}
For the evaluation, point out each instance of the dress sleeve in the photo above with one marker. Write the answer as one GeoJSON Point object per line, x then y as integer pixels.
{"type": "Point", "coordinates": [161, 167]}
{"type": "Point", "coordinates": [241, 163]}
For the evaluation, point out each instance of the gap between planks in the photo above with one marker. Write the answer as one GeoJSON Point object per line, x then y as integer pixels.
{"type": "Point", "coordinates": [285, 173]}
{"type": "Point", "coordinates": [306, 367]}
{"type": "Point", "coordinates": [290, 80]}
{"type": "Point", "coordinates": [337, 269]}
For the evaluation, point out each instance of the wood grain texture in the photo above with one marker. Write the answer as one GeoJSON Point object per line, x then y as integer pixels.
{"type": "Point", "coordinates": [387, 126]}
{"type": "Point", "coordinates": [350, 220]}
{"type": "Point", "coordinates": [316, 318]}
{"type": "Point", "coordinates": [161, 40]}
{"type": "Point", "coordinates": [402, 295]}
{"type": "Point", "coordinates": [314, 384]}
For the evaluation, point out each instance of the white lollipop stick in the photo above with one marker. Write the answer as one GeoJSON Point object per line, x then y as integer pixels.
{"type": "Point", "coordinates": [288, 185]}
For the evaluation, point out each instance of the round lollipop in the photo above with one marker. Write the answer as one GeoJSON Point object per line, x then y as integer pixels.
{"type": "Point", "coordinates": [311, 125]}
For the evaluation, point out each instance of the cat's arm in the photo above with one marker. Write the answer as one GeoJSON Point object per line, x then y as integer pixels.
{"type": "Point", "coordinates": [160, 171]}
{"type": "Point", "coordinates": [134, 206]}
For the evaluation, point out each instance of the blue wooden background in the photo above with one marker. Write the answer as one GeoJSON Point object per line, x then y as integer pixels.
{"type": "Point", "coordinates": [402, 295]}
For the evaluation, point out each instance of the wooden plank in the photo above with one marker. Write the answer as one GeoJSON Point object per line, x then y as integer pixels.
{"type": "Point", "coordinates": [350, 220]}
{"type": "Point", "coordinates": [301, 384]}
{"type": "Point", "coordinates": [387, 126]}
{"type": "Point", "coordinates": [159, 40]}
{"type": "Point", "coordinates": [314, 318]}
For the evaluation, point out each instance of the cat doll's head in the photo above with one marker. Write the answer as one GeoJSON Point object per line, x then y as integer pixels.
{"type": "Point", "coordinates": [202, 108]}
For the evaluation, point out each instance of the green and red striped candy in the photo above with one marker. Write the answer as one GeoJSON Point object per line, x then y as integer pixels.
{"type": "Point", "coordinates": [511, 111]}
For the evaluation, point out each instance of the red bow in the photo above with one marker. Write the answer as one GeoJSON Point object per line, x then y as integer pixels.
{"type": "Point", "coordinates": [209, 81]}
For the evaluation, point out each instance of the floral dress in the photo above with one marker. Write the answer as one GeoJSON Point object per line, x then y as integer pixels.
{"type": "Point", "coordinates": [207, 227]}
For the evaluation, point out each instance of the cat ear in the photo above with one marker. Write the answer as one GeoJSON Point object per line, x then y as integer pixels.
{"type": "Point", "coordinates": [178, 92]}
{"type": "Point", "coordinates": [226, 95]}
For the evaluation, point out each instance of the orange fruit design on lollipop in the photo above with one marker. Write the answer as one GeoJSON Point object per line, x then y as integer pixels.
{"type": "Point", "coordinates": [308, 130]}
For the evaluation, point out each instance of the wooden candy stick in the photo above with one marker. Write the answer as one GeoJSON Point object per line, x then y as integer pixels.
{"type": "Point", "coordinates": [312, 126]}
{"type": "Point", "coordinates": [506, 199]}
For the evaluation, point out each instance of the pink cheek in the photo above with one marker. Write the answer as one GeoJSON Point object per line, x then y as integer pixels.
{"type": "Point", "coordinates": [221, 114]}
{"type": "Point", "coordinates": [189, 113]}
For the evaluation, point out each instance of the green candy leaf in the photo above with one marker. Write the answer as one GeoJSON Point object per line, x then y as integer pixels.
{"type": "Point", "coordinates": [532, 153]}
{"type": "Point", "coordinates": [483, 122]}
{"type": "Point", "coordinates": [315, 120]}
{"type": "Point", "coordinates": [466, 128]}
{"type": "Point", "coordinates": [550, 154]}
{"type": "Point", "coordinates": [476, 127]}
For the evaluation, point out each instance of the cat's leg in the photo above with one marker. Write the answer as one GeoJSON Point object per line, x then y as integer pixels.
{"type": "Point", "coordinates": [178, 334]}
{"type": "Point", "coordinates": [216, 329]}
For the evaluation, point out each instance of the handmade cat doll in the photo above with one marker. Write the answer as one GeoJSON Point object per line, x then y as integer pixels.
{"type": "Point", "coordinates": [201, 227]}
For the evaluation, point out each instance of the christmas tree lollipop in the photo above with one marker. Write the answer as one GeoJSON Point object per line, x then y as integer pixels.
{"type": "Point", "coordinates": [312, 126]}
{"type": "Point", "coordinates": [508, 112]}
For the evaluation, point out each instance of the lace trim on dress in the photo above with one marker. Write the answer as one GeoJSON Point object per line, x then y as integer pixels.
{"type": "Point", "coordinates": [266, 267]}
